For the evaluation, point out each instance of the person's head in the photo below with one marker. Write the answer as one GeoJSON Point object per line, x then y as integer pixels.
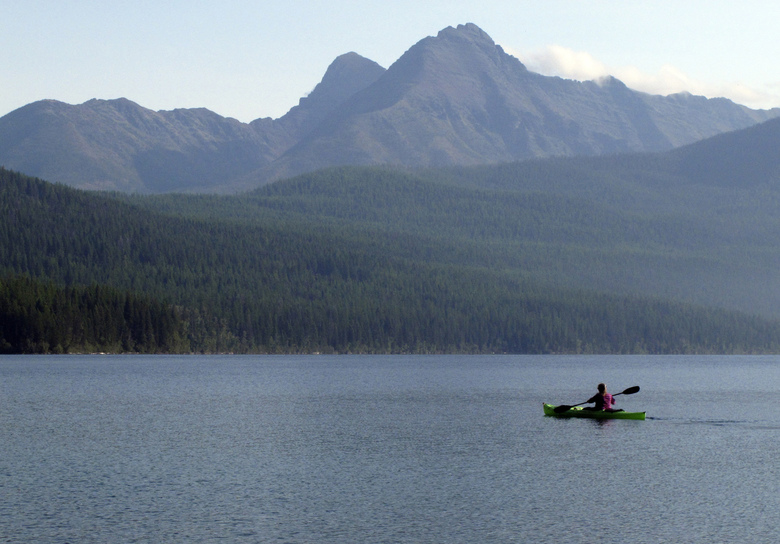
{"type": "Point", "coordinates": [602, 388]}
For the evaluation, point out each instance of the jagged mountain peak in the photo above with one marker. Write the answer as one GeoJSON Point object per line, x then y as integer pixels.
{"type": "Point", "coordinates": [349, 64]}
{"type": "Point", "coordinates": [468, 33]}
{"type": "Point", "coordinates": [120, 102]}
{"type": "Point", "coordinates": [461, 49]}
{"type": "Point", "coordinates": [454, 65]}
{"type": "Point", "coordinates": [469, 29]}
{"type": "Point", "coordinates": [347, 75]}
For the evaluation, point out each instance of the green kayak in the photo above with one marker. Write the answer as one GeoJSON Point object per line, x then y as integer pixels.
{"type": "Point", "coordinates": [577, 411]}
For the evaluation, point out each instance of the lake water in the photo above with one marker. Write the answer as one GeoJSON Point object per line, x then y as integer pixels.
{"type": "Point", "coordinates": [384, 449]}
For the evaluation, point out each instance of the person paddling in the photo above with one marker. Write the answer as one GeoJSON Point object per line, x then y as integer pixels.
{"type": "Point", "coordinates": [604, 401]}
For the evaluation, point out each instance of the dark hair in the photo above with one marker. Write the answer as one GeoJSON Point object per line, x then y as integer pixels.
{"type": "Point", "coordinates": [602, 387]}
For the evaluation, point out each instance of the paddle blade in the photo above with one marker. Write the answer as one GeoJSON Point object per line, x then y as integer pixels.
{"type": "Point", "coordinates": [562, 408]}
{"type": "Point", "coordinates": [630, 390]}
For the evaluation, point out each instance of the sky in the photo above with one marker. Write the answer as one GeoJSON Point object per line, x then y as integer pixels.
{"type": "Point", "coordinates": [251, 59]}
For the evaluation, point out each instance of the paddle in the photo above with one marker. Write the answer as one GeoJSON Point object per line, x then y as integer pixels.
{"type": "Point", "coordinates": [564, 407]}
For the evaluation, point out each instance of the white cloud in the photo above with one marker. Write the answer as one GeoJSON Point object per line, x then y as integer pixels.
{"type": "Point", "coordinates": [556, 60]}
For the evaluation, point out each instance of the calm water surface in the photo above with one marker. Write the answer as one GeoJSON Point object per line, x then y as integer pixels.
{"type": "Point", "coordinates": [449, 449]}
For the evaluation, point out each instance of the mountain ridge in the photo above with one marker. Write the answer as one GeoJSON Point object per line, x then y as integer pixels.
{"type": "Point", "coordinates": [452, 99]}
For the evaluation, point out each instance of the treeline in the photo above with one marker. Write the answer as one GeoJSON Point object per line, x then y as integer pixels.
{"type": "Point", "coordinates": [40, 317]}
{"type": "Point", "coordinates": [268, 272]}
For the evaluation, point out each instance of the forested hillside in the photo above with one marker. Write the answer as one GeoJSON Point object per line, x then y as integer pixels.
{"type": "Point", "coordinates": [631, 224]}
{"type": "Point", "coordinates": [39, 317]}
{"type": "Point", "coordinates": [363, 260]}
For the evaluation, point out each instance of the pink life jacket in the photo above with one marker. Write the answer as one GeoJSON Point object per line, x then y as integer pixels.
{"type": "Point", "coordinates": [603, 402]}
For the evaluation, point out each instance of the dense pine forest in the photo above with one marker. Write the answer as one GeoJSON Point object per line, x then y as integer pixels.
{"type": "Point", "coordinates": [39, 317]}
{"type": "Point", "coordinates": [367, 260]}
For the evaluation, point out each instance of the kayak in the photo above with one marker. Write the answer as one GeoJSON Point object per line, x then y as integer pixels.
{"type": "Point", "coordinates": [577, 411]}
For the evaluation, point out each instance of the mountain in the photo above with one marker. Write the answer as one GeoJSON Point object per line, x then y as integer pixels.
{"type": "Point", "coordinates": [347, 75]}
{"type": "Point", "coordinates": [458, 98]}
{"type": "Point", "coordinates": [453, 99]}
{"type": "Point", "coordinates": [746, 158]}
{"type": "Point", "coordinates": [119, 145]}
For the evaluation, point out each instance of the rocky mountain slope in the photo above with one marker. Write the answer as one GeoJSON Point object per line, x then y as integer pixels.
{"type": "Point", "coordinates": [453, 99]}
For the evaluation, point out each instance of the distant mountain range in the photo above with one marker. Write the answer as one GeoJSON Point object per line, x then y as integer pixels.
{"type": "Point", "coordinates": [453, 99]}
